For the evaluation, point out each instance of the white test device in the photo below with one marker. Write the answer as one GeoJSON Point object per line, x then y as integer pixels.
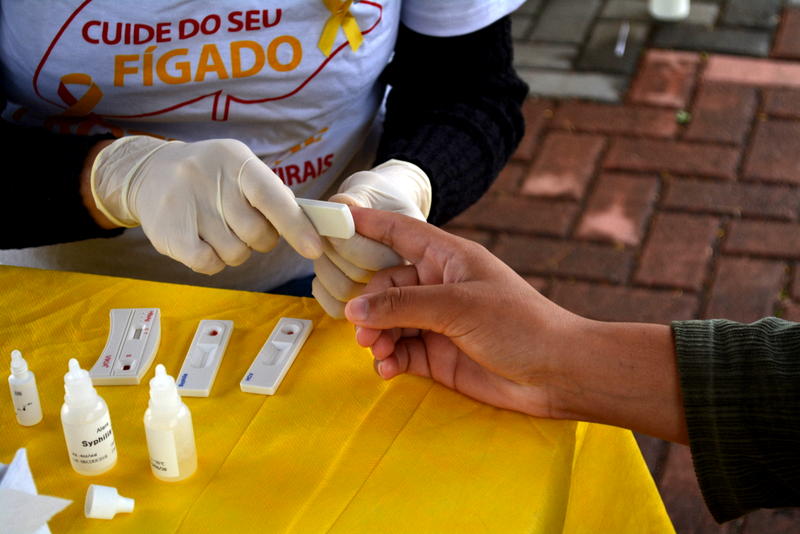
{"type": "Point", "coordinates": [276, 356]}
{"type": "Point", "coordinates": [130, 349]}
{"type": "Point", "coordinates": [205, 354]}
{"type": "Point", "coordinates": [331, 219]}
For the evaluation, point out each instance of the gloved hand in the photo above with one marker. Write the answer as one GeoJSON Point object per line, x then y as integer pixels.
{"type": "Point", "coordinates": [205, 204]}
{"type": "Point", "coordinates": [348, 264]}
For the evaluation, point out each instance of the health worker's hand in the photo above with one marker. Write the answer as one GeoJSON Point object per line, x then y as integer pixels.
{"type": "Point", "coordinates": [348, 264]}
{"type": "Point", "coordinates": [205, 204]}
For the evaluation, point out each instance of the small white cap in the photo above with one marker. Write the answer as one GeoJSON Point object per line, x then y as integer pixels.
{"type": "Point", "coordinates": [103, 502]}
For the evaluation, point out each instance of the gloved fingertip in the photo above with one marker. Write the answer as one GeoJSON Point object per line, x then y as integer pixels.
{"type": "Point", "coordinates": [311, 247]}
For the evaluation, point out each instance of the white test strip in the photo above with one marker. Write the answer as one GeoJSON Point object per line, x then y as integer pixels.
{"type": "Point", "coordinates": [276, 356]}
{"type": "Point", "coordinates": [329, 218]}
{"type": "Point", "coordinates": [199, 369]}
{"type": "Point", "coordinates": [132, 343]}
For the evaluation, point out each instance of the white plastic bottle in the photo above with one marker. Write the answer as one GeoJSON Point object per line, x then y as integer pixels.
{"type": "Point", "coordinates": [168, 425]}
{"type": "Point", "coordinates": [87, 424]}
{"type": "Point", "coordinates": [24, 394]}
{"type": "Point", "coordinates": [670, 10]}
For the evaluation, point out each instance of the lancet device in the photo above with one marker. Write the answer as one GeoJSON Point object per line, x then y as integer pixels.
{"type": "Point", "coordinates": [331, 219]}
{"type": "Point", "coordinates": [276, 356]}
{"type": "Point", "coordinates": [131, 347]}
{"type": "Point", "coordinates": [205, 354]}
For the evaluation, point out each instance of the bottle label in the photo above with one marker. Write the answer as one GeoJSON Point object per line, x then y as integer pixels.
{"type": "Point", "coordinates": [163, 452]}
{"type": "Point", "coordinates": [26, 403]}
{"type": "Point", "coordinates": [91, 446]}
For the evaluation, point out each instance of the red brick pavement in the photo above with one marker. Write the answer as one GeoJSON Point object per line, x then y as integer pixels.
{"type": "Point", "coordinates": [625, 212]}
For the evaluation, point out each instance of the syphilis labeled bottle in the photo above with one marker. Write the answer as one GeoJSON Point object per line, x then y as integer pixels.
{"type": "Point", "coordinates": [170, 435]}
{"type": "Point", "coordinates": [24, 394]}
{"type": "Point", "coordinates": [87, 424]}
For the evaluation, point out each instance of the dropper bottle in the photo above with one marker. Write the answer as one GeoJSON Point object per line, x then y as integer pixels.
{"type": "Point", "coordinates": [24, 394]}
{"type": "Point", "coordinates": [168, 425]}
{"type": "Point", "coordinates": [87, 424]}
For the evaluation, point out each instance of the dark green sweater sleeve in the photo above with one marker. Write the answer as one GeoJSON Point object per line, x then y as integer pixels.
{"type": "Point", "coordinates": [741, 392]}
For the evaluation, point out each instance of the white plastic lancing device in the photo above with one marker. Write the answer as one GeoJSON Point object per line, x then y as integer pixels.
{"type": "Point", "coordinates": [131, 347]}
{"type": "Point", "coordinates": [276, 356]}
{"type": "Point", "coordinates": [329, 218]}
{"type": "Point", "coordinates": [200, 366]}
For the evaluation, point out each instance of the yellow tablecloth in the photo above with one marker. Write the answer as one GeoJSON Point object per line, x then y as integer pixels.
{"type": "Point", "coordinates": [336, 450]}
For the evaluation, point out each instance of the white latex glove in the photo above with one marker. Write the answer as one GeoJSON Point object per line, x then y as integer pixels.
{"type": "Point", "coordinates": [205, 204]}
{"type": "Point", "coordinates": [348, 264]}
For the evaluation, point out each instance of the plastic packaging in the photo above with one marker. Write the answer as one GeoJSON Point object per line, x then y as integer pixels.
{"type": "Point", "coordinates": [24, 394]}
{"type": "Point", "coordinates": [670, 10]}
{"type": "Point", "coordinates": [168, 425]}
{"type": "Point", "coordinates": [104, 502]}
{"type": "Point", "coordinates": [87, 424]}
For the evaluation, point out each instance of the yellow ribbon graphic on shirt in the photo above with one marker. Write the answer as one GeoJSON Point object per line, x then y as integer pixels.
{"type": "Point", "coordinates": [79, 112]}
{"type": "Point", "coordinates": [340, 17]}
{"type": "Point", "coordinates": [79, 107]}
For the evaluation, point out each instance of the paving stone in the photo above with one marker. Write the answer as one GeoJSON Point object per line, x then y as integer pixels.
{"type": "Point", "coordinates": [519, 214]}
{"type": "Point", "coordinates": [613, 303]}
{"type": "Point", "coordinates": [616, 120]}
{"type": "Point", "coordinates": [618, 208]}
{"type": "Point", "coordinates": [484, 238]}
{"type": "Point", "coordinates": [749, 71]}
{"type": "Point", "coordinates": [763, 238]}
{"type": "Point", "coordinates": [683, 499]}
{"type": "Point", "coordinates": [544, 257]}
{"type": "Point", "coordinates": [733, 198]}
{"type": "Point", "coordinates": [654, 451]}
{"type": "Point", "coordinates": [775, 152]}
{"type": "Point", "coordinates": [656, 155]}
{"type": "Point", "coordinates": [678, 251]}
{"type": "Point", "coordinates": [752, 13]}
{"type": "Point", "coordinates": [745, 289]}
{"type": "Point", "coordinates": [589, 85]}
{"type": "Point", "coordinates": [705, 39]}
{"type": "Point", "coordinates": [510, 178]}
{"type": "Point", "coordinates": [796, 282]}
{"type": "Point", "coordinates": [787, 41]}
{"type": "Point", "coordinates": [701, 12]}
{"type": "Point", "coordinates": [782, 103]}
{"type": "Point", "coordinates": [780, 521]}
{"type": "Point", "coordinates": [565, 165]}
{"type": "Point", "coordinates": [722, 113]}
{"type": "Point", "coordinates": [565, 21]}
{"type": "Point", "coordinates": [544, 55]}
{"type": "Point", "coordinates": [521, 27]}
{"type": "Point", "coordinates": [600, 51]}
{"type": "Point", "coordinates": [665, 78]}
{"type": "Point", "coordinates": [537, 113]}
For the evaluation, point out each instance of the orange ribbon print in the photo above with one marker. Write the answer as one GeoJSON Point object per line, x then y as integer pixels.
{"type": "Point", "coordinates": [340, 17]}
{"type": "Point", "coordinates": [80, 109]}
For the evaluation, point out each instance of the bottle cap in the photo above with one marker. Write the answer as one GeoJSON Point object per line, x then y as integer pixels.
{"type": "Point", "coordinates": [18, 364]}
{"type": "Point", "coordinates": [78, 384]}
{"type": "Point", "coordinates": [163, 391]}
{"type": "Point", "coordinates": [103, 502]}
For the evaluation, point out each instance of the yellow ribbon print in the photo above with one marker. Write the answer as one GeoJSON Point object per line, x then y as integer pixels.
{"type": "Point", "coordinates": [340, 17]}
{"type": "Point", "coordinates": [79, 107]}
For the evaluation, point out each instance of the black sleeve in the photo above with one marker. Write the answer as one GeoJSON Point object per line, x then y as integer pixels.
{"type": "Point", "coordinates": [454, 110]}
{"type": "Point", "coordinates": [741, 392]}
{"type": "Point", "coordinates": [41, 202]}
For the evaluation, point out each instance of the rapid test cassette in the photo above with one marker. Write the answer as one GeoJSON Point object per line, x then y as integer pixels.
{"type": "Point", "coordinates": [199, 369]}
{"type": "Point", "coordinates": [331, 219]}
{"type": "Point", "coordinates": [131, 347]}
{"type": "Point", "coordinates": [276, 356]}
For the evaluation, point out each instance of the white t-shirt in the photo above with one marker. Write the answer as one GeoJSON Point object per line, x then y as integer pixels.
{"type": "Point", "coordinates": [248, 70]}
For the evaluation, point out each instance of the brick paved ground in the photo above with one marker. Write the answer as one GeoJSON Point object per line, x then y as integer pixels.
{"type": "Point", "coordinates": [682, 202]}
{"type": "Point", "coordinates": [567, 47]}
